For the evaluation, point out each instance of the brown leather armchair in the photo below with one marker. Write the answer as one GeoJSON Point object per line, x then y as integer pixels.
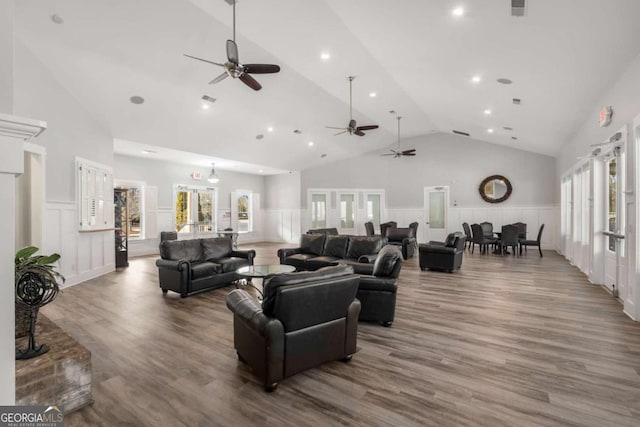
{"type": "Point", "coordinates": [377, 292]}
{"type": "Point", "coordinates": [306, 319]}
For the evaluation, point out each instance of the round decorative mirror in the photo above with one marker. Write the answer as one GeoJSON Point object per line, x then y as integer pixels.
{"type": "Point", "coordinates": [495, 189]}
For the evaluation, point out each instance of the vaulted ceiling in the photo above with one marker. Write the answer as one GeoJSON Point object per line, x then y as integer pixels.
{"type": "Point", "coordinates": [416, 56]}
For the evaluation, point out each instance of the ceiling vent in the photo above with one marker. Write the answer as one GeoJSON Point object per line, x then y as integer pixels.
{"type": "Point", "coordinates": [208, 98]}
{"type": "Point", "coordinates": [516, 101]}
{"type": "Point", "coordinates": [518, 7]}
{"type": "Point", "coordinates": [458, 132]}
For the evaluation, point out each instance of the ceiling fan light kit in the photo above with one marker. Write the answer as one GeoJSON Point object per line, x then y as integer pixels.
{"type": "Point", "coordinates": [233, 68]}
{"type": "Point", "coordinates": [213, 177]}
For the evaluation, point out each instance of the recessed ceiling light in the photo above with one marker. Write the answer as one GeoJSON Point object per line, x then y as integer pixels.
{"type": "Point", "coordinates": [458, 11]}
{"type": "Point", "coordinates": [504, 81]}
{"type": "Point", "coordinates": [270, 129]}
{"type": "Point", "coordinates": [372, 94]}
{"type": "Point", "coordinates": [487, 112]}
{"type": "Point", "coordinates": [490, 130]}
{"type": "Point", "coordinates": [137, 100]}
{"type": "Point", "coordinates": [310, 144]}
{"type": "Point", "coordinates": [205, 106]}
{"type": "Point", "coordinates": [259, 136]}
{"type": "Point", "coordinates": [476, 79]}
{"type": "Point", "coordinates": [148, 152]}
{"type": "Point", "coordinates": [260, 171]}
{"type": "Point", "coordinates": [57, 18]}
{"type": "Point", "coordinates": [325, 56]}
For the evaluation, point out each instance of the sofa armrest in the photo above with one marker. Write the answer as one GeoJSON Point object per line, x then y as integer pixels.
{"type": "Point", "coordinates": [286, 252]}
{"type": "Point", "coordinates": [377, 283]}
{"type": "Point", "coordinates": [437, 249]}
{"type": "Point", "coordinates": [368, 259]}
{"type": "Point", "coordinates": [250, 254]}
{"type": "Point", "coordinates": [434, 243]}
{"type": "Point", "coordinates": [178, 265]}
{"type": "Point", "coordinates": [243, 305]}
{"type": "Point", "coordinates": [409, 241]}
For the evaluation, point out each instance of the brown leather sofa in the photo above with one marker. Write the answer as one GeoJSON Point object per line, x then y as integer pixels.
{"type": "Point", "coordinates": [320, 250]}
{"type": "Point", "coordinates": [197, 265]}
{"type": "Point", "coordinates": [305, 319]}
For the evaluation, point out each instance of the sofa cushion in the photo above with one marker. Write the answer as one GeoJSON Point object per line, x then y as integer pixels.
{"type": "Point", "coordinates": [363, 245]}
{"type": "Point", "coordinates": [188, 250]}
{"type": "Point", "coordinates": [312, 243]}
{"type": "Point", "coordinates": [298, 260]}
{"type": "Point", "coordinates": [216, 247]}
{"type": "Point", "coordinates": [272, 283]}
{"type": "Point", "coordinates": [231, 264]}
{"type": "Point", "coordinates": [204, 269]}
{"type": "Point", "coordinates": [398, 234]}
{"type": "Point", "coordinates": [321, 261]}
{"type": "Point", "coordinates": [336, 246]}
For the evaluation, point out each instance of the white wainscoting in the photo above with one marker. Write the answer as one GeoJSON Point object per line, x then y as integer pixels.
{"type": "Point", "coordinates": [281, 225]}
{"type": "Point", "coordinates": [533, 216]}
{"type": "Point", "coordinates": [84, 255]}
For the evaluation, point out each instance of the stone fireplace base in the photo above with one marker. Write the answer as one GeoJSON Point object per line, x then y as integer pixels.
{"type": "Point", "coordinates": [60, 377]}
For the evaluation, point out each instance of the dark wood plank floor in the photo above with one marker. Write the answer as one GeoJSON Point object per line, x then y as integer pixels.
{"type": "Point", "coordinates": [505, 341]}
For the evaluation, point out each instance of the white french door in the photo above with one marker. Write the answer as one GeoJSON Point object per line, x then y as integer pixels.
{"type": "Point", "coordinates": [194, 211]}
{"type": "Point", "coordinates": [436, 207]}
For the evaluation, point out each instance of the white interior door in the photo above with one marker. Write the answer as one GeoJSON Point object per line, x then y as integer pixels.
{"type": "Point", "coordinates": [436, 206]}
{"type": "Point", "coordinates": [614, 256]}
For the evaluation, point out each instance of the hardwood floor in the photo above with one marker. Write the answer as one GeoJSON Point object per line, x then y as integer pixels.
{"type": "Point", "coordinates": [505, 341]}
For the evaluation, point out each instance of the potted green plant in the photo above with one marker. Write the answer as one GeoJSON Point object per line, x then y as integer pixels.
{"type": "Point", "coordinates": [36, 282]}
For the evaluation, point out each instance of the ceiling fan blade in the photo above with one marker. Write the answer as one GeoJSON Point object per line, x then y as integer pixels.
{"type": "Point", "coordinates": [370, 127]}
{"type": "Point", "coordinates": [340, 133]}
{"type": "Point", "coordinates": [407, 152]}
{"type": "Point", "coordinates": [232, 51]}
{"type": "Point", "coordinates": [333, 127]}
{"type": "Point", "coordinates": [359, 133]}
{"type": "Point", "coordinates": [250, 81]}
{"type": "Point", "coordinates": [352, 124]}
{"type": "Point", "coordinates": [203, 60]}
{"type": "Point", "coordinates": [390, 154]}
{"type": "Point", "coordinates": [220, 78]}
{"type": "Point", "coordinates": [261, 68]}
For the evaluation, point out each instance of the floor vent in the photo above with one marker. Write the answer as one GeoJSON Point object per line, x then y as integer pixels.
{"type": "Point", "coordinates": [458, 132]}
{"type": "Point", "coordinates": [518, 7]}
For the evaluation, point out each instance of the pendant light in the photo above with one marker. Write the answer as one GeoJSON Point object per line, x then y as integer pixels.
{"type": "Point", "coordinates": [213, 177]}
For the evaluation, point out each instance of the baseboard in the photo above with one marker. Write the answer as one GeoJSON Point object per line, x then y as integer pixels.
{"type": "Point", "coordinates": [88, 275]}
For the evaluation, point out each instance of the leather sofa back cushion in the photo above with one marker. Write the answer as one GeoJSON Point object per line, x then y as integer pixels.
{"type": "Point", "coordinates": [312, 243]}
{"type": "Point", "coordinates": [272, 283]}
{"type": "Point", "coordinates": [188, 250]}
{"type": "Point", "coordinates": [397, 234]}
{"type": "Point", "coordinates": [336, 246]}
{"type": "Point", "coordinates": [361, 245]}
{"type": "Point", "coordinates": [216, 247]}
{"type": "Point", "coordinates": [388, 262]}
{"type": "Point", "coordinates": [450, 241]}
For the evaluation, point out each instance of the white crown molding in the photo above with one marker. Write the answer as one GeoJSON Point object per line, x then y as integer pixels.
{"type": "Point", "coordinates": [20, 128]}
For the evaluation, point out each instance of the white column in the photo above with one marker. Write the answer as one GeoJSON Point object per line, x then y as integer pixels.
{"type": "Point", "coordinates": [6, 55]}
{"type": "Point", "coordinates": [13, 132]}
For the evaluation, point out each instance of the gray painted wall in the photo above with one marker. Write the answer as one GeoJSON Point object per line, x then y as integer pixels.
{"type": "Point", "coordinates": [164, 175]}
{"type": "Point", "coordinates": [282, 191]}
{"type": "Point", "coordinates": [71, 130]}
{"type": "Point", "coordinates": [624, 96]}
{"type": "Point", "coordinates": [442, 159]}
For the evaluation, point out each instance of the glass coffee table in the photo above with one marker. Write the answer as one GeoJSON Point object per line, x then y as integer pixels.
{"type": "Point", "coordinates": [261, 271]}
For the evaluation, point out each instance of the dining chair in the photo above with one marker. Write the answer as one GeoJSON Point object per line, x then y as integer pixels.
{"type": "Point", "coordinates": [479, 239]}
{"type": "Point", "coordinates": [467, 233]}
{"type": "Point", "coordinates": [368, 226]}
{"type": "Point", "coordinates": [509, 237]}
{"type": "Point", "coordinates": [522, 229]}
{"type": "Point", "coordinates": [536, 242]}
